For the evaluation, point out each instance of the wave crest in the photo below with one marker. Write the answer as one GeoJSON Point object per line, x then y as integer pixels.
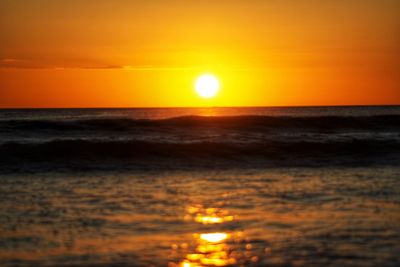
{"type": "Point", "coordinates": [83, 152]}
{"type": "Point", "coordinates": [235, 122]}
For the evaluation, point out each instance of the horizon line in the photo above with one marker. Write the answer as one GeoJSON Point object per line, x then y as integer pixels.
{"type": "Point", "coordinates": [205, 107]}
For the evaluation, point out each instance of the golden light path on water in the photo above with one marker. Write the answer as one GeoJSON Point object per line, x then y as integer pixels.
{"type": "Point", "coordinates": [280, 218]}
{"type": "Point", "coordinates": [219, 248]}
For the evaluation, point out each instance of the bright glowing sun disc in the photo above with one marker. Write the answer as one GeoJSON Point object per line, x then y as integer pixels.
{"type": "Point", "coordinates": [207, 86]}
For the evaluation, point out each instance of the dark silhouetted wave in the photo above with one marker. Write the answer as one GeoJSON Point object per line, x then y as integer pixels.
{"type": "Point", "coordinates": [97, 154]}
{"type": "Point", "coordinates": [234, 141]}
{"type": "Point", "coordinates": [232, 122]}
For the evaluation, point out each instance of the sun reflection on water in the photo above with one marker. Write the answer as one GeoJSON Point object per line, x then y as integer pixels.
{"type": "Point", "coordinates": [208, 215]}
{"type": "Point", "coordinates": [218, 248]}
{"type": "Point", "coordinates": [213, 237]}
{"type": "Point", "coordinates": [211, 249]}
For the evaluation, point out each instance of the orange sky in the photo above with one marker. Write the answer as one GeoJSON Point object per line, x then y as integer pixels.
{"type": "Point", "coordinates": [121, 53]}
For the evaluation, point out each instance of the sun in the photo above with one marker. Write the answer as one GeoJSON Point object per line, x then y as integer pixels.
{"type": "Point", "coordinates": [207, 85]}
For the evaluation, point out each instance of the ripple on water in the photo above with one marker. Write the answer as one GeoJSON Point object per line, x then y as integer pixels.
{"type": "Point", "coordinates": [295, 217]}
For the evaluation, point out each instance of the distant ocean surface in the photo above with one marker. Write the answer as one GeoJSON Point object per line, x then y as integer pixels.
{"type": "Point", "coordinates": [200, 187]}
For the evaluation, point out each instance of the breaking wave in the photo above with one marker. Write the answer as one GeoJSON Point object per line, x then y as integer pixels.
{"type": "Point", "coordinates": [237, 141]}
{"type": "Point", "coordinates": [234, 122]}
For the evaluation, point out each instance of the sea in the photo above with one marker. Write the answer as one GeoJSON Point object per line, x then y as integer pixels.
{"type": "Point", "coordinates": [193, 187]}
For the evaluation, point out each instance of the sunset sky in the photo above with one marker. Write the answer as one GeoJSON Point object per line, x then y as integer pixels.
{"type": "Point", "coordinates": [120, 53]}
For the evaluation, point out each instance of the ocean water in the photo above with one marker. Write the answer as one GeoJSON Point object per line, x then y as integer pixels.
{"type": "Point", "coordinates": [220, 137]}
{"type": "Point", "coordinates": [200, 187]}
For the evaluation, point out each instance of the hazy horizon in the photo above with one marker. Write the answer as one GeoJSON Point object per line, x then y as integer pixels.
{"type": "Point", "coordinates": [204, 107]}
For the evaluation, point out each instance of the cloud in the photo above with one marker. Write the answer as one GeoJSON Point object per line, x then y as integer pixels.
{"type": "Point", "coordinates": [13, 63]}
{"type": "Point", "coordinates": [25, 64]}
{"type": "Point", "coordinates": [9, 60]}
{"type": "Point", "coordinates": [154, 68]}
{"type": "Point", "coordinates": [20, 64]}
